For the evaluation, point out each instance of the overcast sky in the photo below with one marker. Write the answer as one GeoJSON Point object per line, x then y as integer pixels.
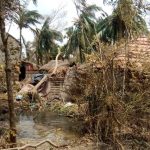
{"type": "Point", "coordinates": [46, 7]}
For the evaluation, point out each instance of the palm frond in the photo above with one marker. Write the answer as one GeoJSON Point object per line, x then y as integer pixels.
{"type": "Point", "coordinates": [46, 39]}
{"type": "Point", "coordinates": [120, 25]}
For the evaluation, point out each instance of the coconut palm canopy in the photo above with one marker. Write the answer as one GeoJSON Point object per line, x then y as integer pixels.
{"type": "Point", "coordinates": [26, 19]}
{"type": "Point", "coordinates": [120, 24]}
{"type": "Point", "coordinates": [113, 28]}
{"type": "Point", "coordinates": [82, 33]}
{"type": "Point", "coordinates": [46, 41]}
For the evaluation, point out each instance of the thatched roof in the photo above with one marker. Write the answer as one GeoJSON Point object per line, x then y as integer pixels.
{"type": "Point", "coordinates": [61, 68]}
{"type": "Point", "coordinates": [34, 66]}
{"type": "Point", "coordinates": [137, 52]}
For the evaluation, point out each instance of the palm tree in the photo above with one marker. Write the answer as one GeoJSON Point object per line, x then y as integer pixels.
{"type": "Point", "coordinates": [46, 42]}
{"type": "Point", "coordinates": [125, 22]}
{"type": "Point", "coordinates": [25, 19]}
{"type": "Point", "coordinates": [83, 31]}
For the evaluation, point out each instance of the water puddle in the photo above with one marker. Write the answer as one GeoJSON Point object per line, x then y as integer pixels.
{"type": "Point", "coordinates": [45, 125]}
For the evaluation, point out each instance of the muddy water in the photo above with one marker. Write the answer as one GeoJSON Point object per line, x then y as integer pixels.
{"type": "Point", "coordinates": [46, 125]}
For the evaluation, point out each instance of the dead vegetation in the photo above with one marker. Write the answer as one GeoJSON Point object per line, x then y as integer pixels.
{"type": "Point", "coordinates": [117, 98]}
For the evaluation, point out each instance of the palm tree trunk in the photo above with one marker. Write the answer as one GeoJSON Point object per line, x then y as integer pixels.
{"type": "Point", "coordinates": [8, 71]}
{"type": "Point", "coordinates": [20, 42]}
{"type": "Point", "coordinates": [81, 55]}
{"type": "Point", "coordinates": [41, 59]}
{"type": "Point", "coordinates": [47, 57]}
{"type": "Point", "coordinates": [25, 46]}
{"type": "Point", "coordinates": [37, 58]}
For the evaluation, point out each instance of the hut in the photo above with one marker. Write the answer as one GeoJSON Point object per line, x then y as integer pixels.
{"type": "Point", "coordinates": [62, 67]}
{"type": "Point", "coordinates": [27, 69]}
{"type": "Point", "coordinates": [52, 84]}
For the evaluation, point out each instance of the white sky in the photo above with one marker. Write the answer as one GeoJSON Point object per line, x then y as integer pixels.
{"type": "Point", "coordinates": [45, 7]}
